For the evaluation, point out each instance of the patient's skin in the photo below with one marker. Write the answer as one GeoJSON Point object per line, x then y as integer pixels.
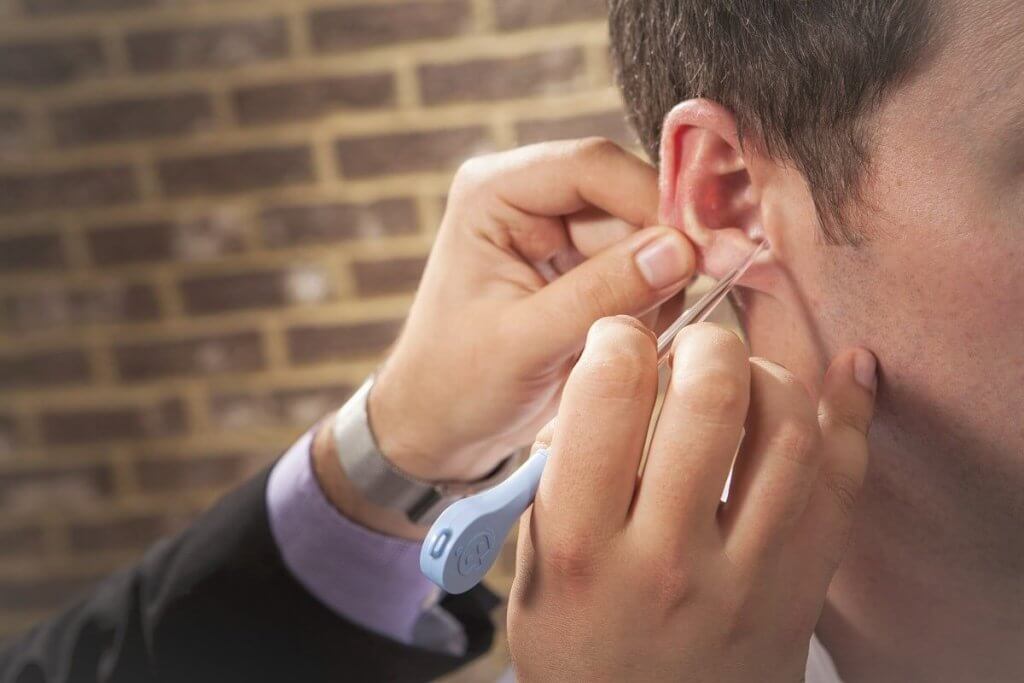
{"type": "Point", "coordinates": [933, 586]}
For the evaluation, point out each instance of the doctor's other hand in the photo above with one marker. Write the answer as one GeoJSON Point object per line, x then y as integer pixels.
{"type": "Point", "coordinates": [536, 244]}
{"type": "Point", "coordinates": [653, 578]}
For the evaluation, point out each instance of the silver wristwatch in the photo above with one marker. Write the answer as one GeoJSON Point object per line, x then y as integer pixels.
{"type": "Point", "coordinates": [382, 482]}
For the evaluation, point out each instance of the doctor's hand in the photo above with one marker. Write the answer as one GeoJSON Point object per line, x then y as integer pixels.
{"type": "Point", "coordinates": [651, 578]}
{"type": "Point", "coordinates": [535, 246]}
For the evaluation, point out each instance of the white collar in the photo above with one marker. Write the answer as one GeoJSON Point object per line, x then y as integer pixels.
{"type": "Point", "coordinates": [820, 667]}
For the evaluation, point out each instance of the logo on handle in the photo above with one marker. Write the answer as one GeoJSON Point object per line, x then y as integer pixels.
{"type": "Point", "coordinates": [476, 553]}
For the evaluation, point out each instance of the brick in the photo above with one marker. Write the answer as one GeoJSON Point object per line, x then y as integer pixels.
{"type": "Point", "coordinates": [520, 14]}
{"type": "Point", "coordinates": [26, 252]}
{"type": "Point", "coordinates": [228, 44]}
{"type": "Point", "coordinates": [257, 289]}
{"type": "Point", "coordinates": [56, 305]}
{"type": "Point", "coordinates": [94, 425]}
{"type": "Point", "coordinates": [306, 99]}
{"type": "Point", "coordinates": [553, 71]}
{"type": "Point", "coordinates": [125, 534]}
{"type": "Point", "coordinates": [353, 28]}
{"type": "Point", "coordinates": [206, 237]}
{"type": "Point", "coordinates": [132, 119]}
{"type": "Point", "coordinates": [70, 189]}
{"type": "Point", "coordinates": [239, 291]}
{"type": "Point", "coordinates": [213, 354]}
{"type": "Point", "coordinates": [296, 225]}
{"type": "Point", "coordinates": [170, 474]}
{"type": "Point", "coordinates": [38, 594]}
{"type": "Point", "coordinates": [44, 7]}
{"type": "Point", "coordinates": [53, 62]}
{"type": "Point", "coordinates": [242, 410]}
{"type": "Point", "coordinates": [9, 436]}
{"type": "Point", "coordinates": [435, 150]}
{"type": "Point", "coordinates": [13, 133]}
{"type": "Point", "coordinates": [307, 405]}
{"type": "Point", "coordinates": [237, 171]}
{"type": "Point", "coordinates": [144, 242]}
{"type": "Point", "coordinates": [292, 407]}
{"type": "Point", "coordinates": [21, 541]}
{"type": "Point", "coordinates": [393, 276]}
{"type": "Point", "coordinates": [319, 343]}
{"type": "Point", "coordinates": [611, 125]}
{"type": "Point", "coordinates": [43, 369]}
{"type": "Point", "coordinates": [71, 487]}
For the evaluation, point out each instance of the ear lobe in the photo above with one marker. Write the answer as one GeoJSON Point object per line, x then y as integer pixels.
{"type": "Point", "coordinates": [706, 188]}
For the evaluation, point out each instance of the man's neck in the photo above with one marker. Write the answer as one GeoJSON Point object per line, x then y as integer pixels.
{"type": "Point", "coordinates": [932, 588]}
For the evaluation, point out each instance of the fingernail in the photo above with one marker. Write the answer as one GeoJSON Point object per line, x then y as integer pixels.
{"type": "Point", "coordinates": [664, 261]}
{"type": "Point", "coordinates": [865, 370]}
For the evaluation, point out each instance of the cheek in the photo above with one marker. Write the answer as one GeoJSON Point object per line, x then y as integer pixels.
{"type": "Point", "coordinates": [945, 321]}
{"type": "Point", "coordinates": [907, 297]}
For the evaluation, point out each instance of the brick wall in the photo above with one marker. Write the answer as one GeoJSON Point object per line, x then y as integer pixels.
{"type": "Point", "coordinates": [212, 217]}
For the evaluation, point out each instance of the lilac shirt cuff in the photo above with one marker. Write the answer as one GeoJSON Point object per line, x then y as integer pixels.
{"type": "Point", "coordinates": [368, 578]}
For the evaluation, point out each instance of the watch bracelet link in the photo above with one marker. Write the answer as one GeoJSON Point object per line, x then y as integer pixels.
{"type": "Point", "coordinates": [382, 482]}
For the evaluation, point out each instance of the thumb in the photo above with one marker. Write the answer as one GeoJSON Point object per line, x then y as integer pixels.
{"type": "Point", "coordinates": [628, 278]}
{"type": "Point", "coordinates": [847, 401]}
{"type": "Point", "coordinates": [844, 414]}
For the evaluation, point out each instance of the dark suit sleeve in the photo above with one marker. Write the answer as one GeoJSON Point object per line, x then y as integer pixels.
{"type": "Point", "coordinates": [216, 603]}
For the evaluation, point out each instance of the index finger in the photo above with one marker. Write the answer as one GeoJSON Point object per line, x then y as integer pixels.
{"type": "Point", "coordinates": [845, 412]}
{"type": "Point", "coordinates": [599, 436]}
{"type": "Point", "coordinates": [698, 432]}
{"type": "Point", "coordinates": [561, 178]}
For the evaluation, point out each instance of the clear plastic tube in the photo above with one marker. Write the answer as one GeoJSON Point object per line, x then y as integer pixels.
{"type": "Point", "coordinates": [703, 307]}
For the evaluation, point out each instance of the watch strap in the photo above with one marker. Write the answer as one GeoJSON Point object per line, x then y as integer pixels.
{"type": "Point", "coordinates": [383, 483]}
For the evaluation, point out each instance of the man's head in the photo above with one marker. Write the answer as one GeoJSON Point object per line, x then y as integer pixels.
{"type": "Point", "coordinates": [800, 77]}
{"type": "Point", "coordinates": [882, 154]}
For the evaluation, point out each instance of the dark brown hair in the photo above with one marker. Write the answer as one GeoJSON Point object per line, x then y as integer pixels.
{"type": "Point", "coordinates": [799, 75]}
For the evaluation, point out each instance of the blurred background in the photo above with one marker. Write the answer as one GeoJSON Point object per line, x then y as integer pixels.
{"type": "Point", "coordinates": [213, 215]}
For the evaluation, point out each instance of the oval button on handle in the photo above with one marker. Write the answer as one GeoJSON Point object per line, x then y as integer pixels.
{"type": "Point", "coordinates": [464, 542]}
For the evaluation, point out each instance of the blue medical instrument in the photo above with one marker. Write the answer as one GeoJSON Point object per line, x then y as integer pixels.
{"type": "Point", "coordinates": [465, 540]}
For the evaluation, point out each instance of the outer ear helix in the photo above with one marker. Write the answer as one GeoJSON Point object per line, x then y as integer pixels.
{"type": "Point", "coordinates": [706, 188]}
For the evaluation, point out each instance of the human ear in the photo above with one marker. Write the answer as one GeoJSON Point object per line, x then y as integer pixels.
{"type": "Point", "coordinates": [706, 187]}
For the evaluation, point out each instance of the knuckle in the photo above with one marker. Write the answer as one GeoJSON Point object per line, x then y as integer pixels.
{"type": "Point", "coordinates": [662, 575]}
{"type": "Point", "coordinates": [843, 419]}
{"type": "Point", "coordinates": [798, 397]}
{"type": "Point", "coordinates": [629, 329]}
{"type": "Point", "coordinates": [572, 562]}
{"type": "Point", "coordinates": [618, 361]}
{"type": "Point", "coordinates": [713, 340]}
{"type": "Point", "coordinates": [797, 440]}
{"type": "Point", "coordinates": [672, 587]}
{"type": "Point", "coordinates": [714, 393]}
{"type": "Point", "coordinates": [796, 390]}
{"type": "Point", "coordinates": [596, 147]}
{"type": "Point", "coordinates": [597, 294]}
{"type": "Point", "coordinates": [844, 490]}
{"type": "Point", "coordinates": [472, 173]}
